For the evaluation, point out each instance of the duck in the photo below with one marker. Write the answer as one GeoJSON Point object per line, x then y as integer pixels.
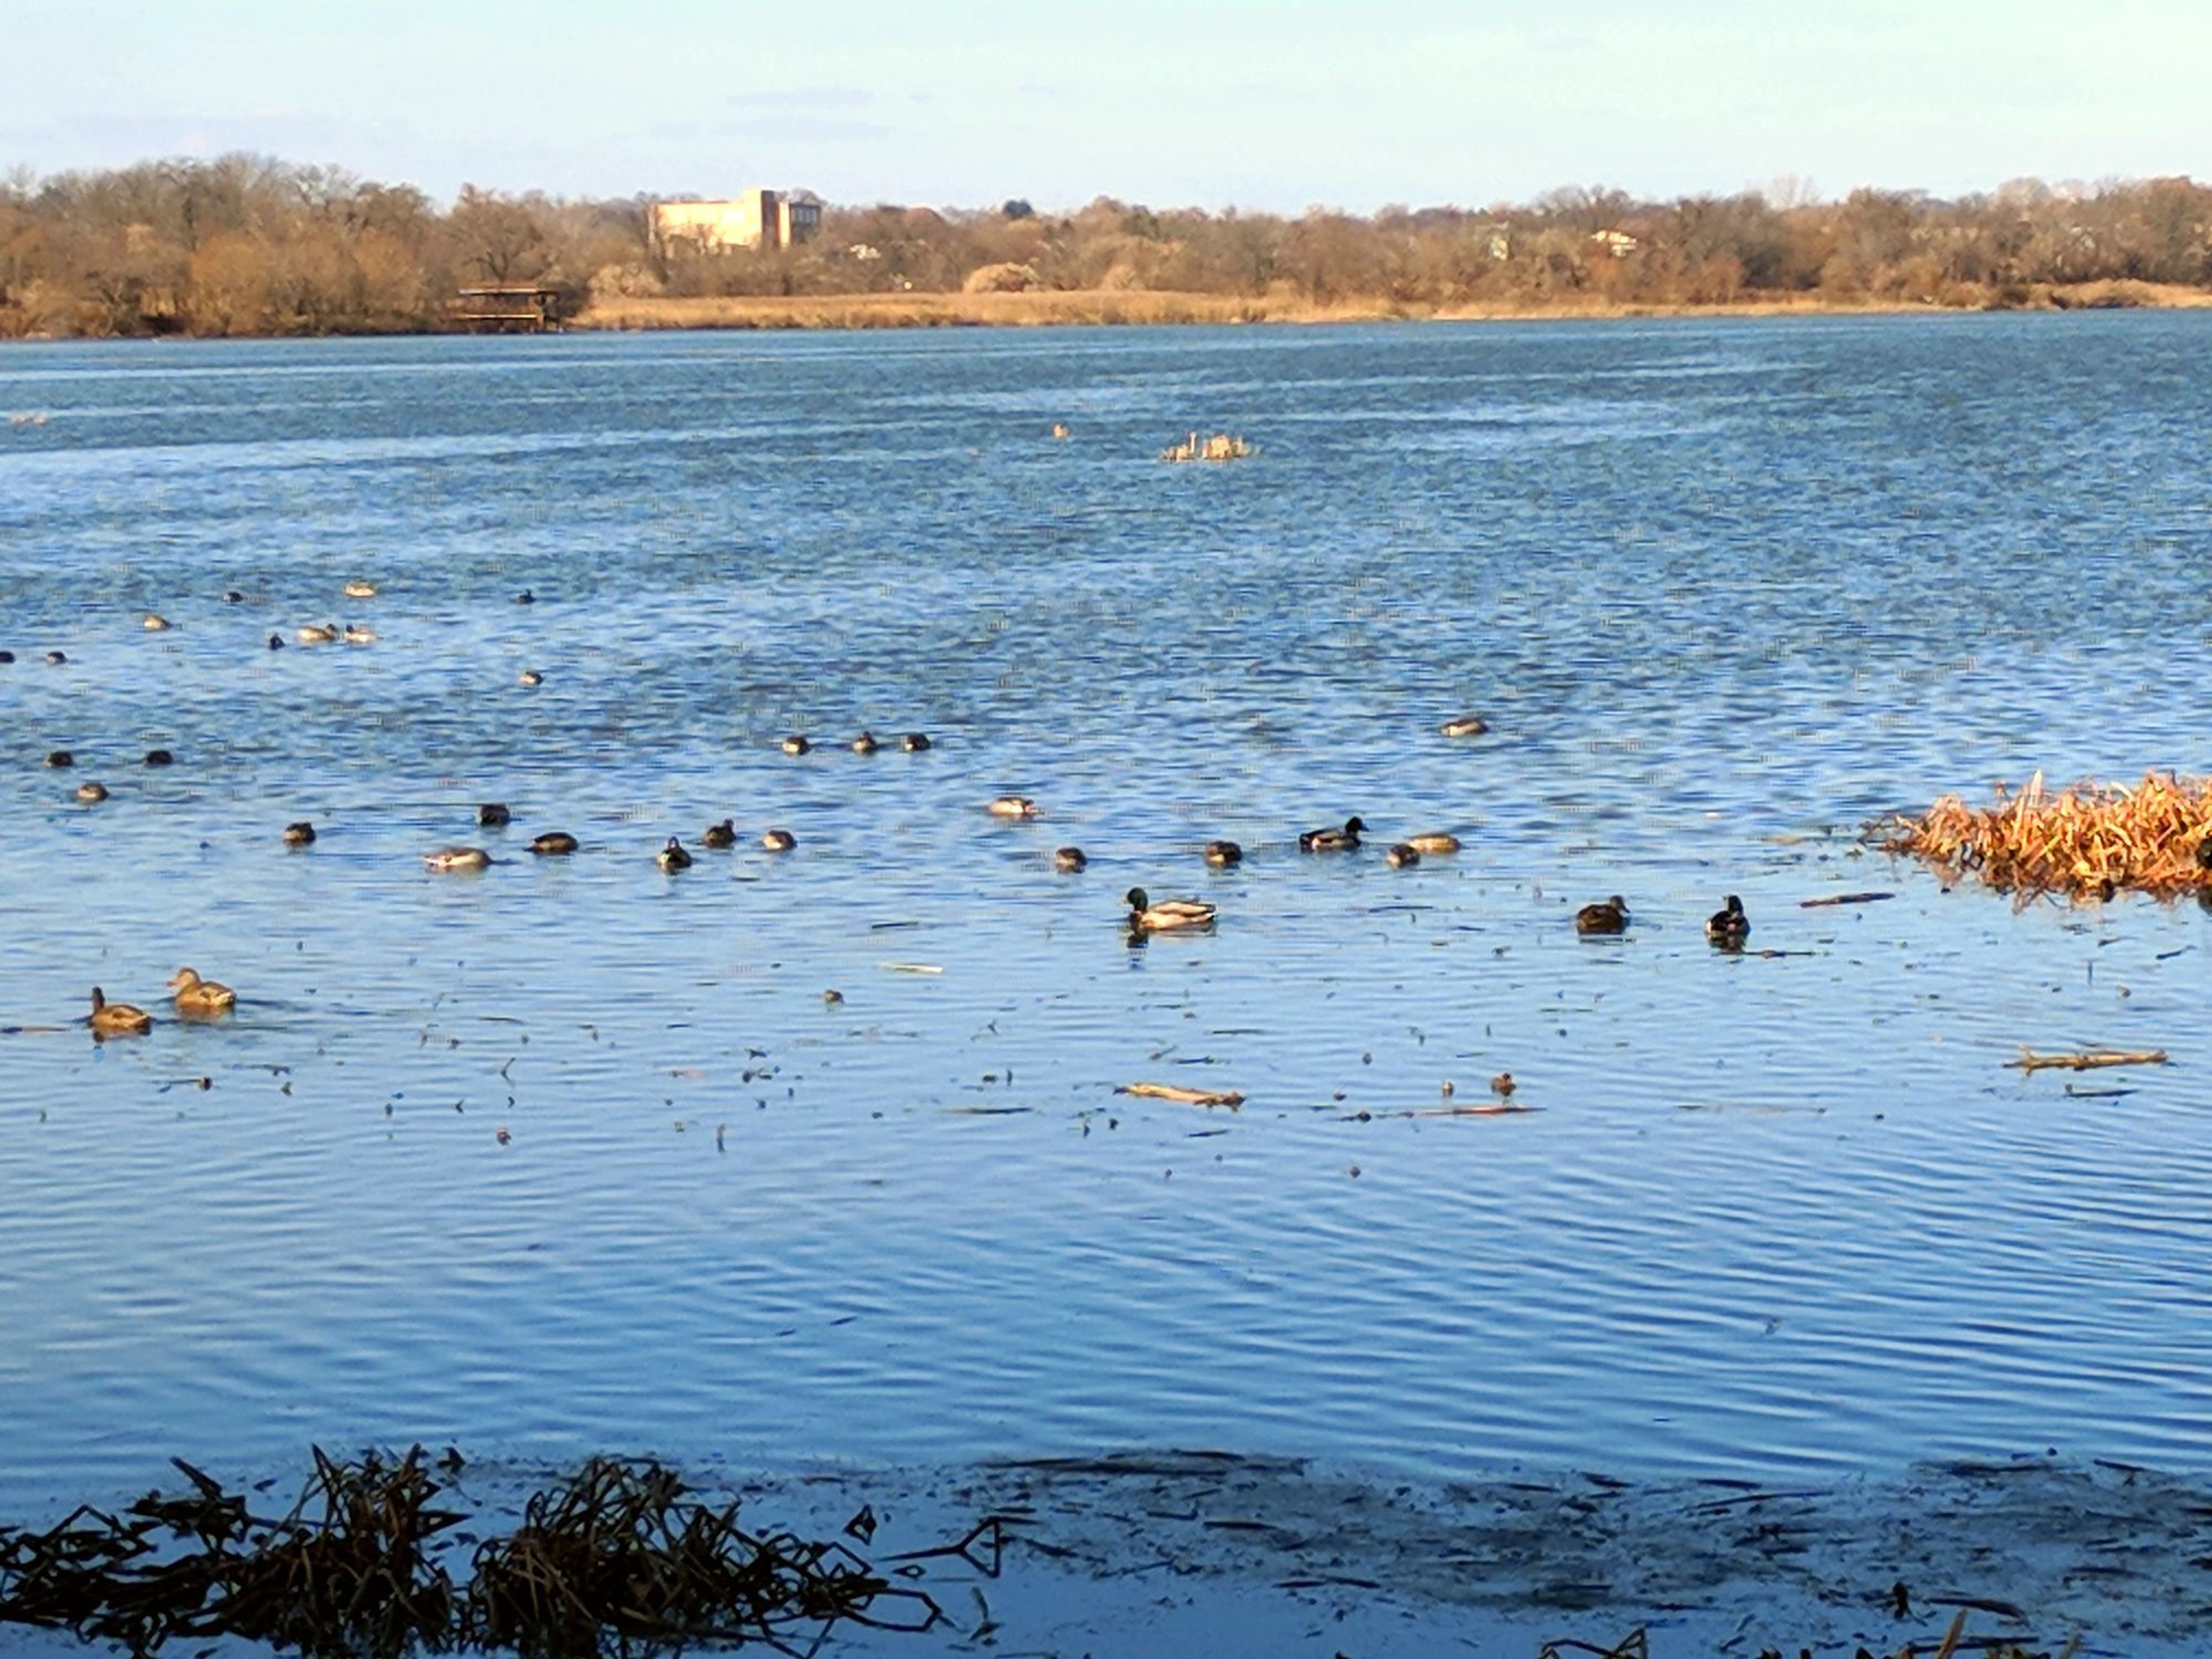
{"type": "Point", "coordinates": [196, 996]}
{"type": "Point", "coordinates": [914, 742]}
{"type": "Point", "coordinates": [673, 857]}
{"type": "Point", "coordinates": [1434, 841]}
{"type": "Point", "coordinates": [1224, 854]}
{"type": "Point", "coordinates": [553, 843]}
{"type": "Point", "coordinates": [155, 623]}
{"type": "Point", "coordinates": [1401, 855]}
{"type": "Point", "coordinates": [7, 656]}
{"type": "Point", "coordinates": [117, 1018]}
{"type": "Point", "coordinates": [1060, 429]}
{"type": "Point", "coordinates": [275, 641]}
{"type": "Point", "coordinates": [1345, 840]}
{"type": "Point", "coordinates": [56, 659]}
{"type": "Point", "coordinates": [779, 840]}
{"type": "Point", "coordinates": [318, 633]}
{"type": "Point", "coordinates": [355, 634]}
{"type": "Point", "coordinates": [1728, 926]}
{"type": "Point", "coordinates": [232, 596]}
{"type": "Point", "coordinates": [1013, 806]}
{"type": "Point", "coordinates": [160, 757]}
{"type": "Point", "coordinates": [1069, 861]}
{"type": "Point", "coordinates": [866, 743]}
{"type": "Point", "coordinates": [525, 596]}
{"type": "Point", "coordinates": [1168, 915]}
{"type": "Point", "coordinates": [796, 743]}
{"type": "Point", "coordinates": [1465, 726]}
{"type": "Point", "coordinates": [456, 857]}
{"type": "Point", "coordinates": [1609, 916]}
{"type": "Point", "coordinates": [724, 834]}
{"type": "Point", "coordinates": [361, 590]}
{"type": "Point", "coordinates": [60, 757]}
{"type": "Point", "coordinates": [1503, 1085]}
{"type": "Point", "coordinates": [301, 833]}
{"type": "Point", "coordinates": [531, 677]}
{"type": "Point", "coordinates": [494, 815]}
{"type": "Point", "coordinates": [91, 793]}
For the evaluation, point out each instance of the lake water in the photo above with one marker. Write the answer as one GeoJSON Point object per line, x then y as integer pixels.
{"type": "Point", "coordinates": [1724, 591]}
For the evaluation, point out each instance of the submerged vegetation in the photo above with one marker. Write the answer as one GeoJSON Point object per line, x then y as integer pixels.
{"type": "Point", "coordinates": [2089, 841]}
{"type": "Point", "coordinates": [246, 244]}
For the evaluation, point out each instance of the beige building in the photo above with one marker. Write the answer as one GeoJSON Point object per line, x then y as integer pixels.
{"type": "Point", "coordinates": [752, 218]}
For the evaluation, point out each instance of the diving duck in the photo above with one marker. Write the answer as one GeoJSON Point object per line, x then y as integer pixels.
{"type": "Point", "coordinates": [1345, 840]}
{"type": "Point", "coordinates": [1401, 855]}
{"type": "Point", "coordinates": [553, 843]}
{"type": "Point", "coordinates": [1435, 842]}
{"type": "Point", "coordinates": [1728, 926]}
{"type": "Point", "coordinates": [1168, 915]}
{"type": "Point", "coordinates": [1224, 854]}
{"type": "Point", "coordinates": [1013, 806]}
{"type": "Point", "coordinates": [779, 840]}
{"type": "Point", "coordinates": [301, 833]}
{"type": "Point", "coordinates": [117, 1018]}
{"type": "Point", "coordinates": [355, 634]}
{"type": "Point", "coordinates": [456, 857]}
{"type": "Point", "coordinates": [7, 656]}
{"type": "Point", "coordinates": [232, 596]}
{"type": "Point", "coordinates": [275, 641]}
{"type": "Point", "coordinates": [866, 743]}
{"type": "Point", "coordinates": [318, 633]}
{"type": "Point", "coordinates": [914, 742]}
{"type": "Point", "coordinates": [361, 590]}
{"type": "Point", "coordinates": [61, 757]}
{"type": "Point", "coordinates": [673, 857]}
{"type": "Point", "coordinates": [1465, 726]}
{"type": "Point", "coordinates": [721, 834]}
{"type": "Point", "coordinates": [796, 743]}
{"type": "Point", "coordinates": [92, 793]}
{"type": "Point", "coordinates": [494, 815]}
{"type": "Point", "coordinates": [160, 757]}
{"type": "Point", "coordinates": [155, 623]}
{"type": "Point", "coordinates": [1609, 917]}
{"type": "Point", "coordinates": [531, 677]}
{"type": "Point", "coordinates": [1069, 861]}
{"type": "Point", "coordinates": [197, 998]}
{"type": "Point", "coordinates": [56, 659]}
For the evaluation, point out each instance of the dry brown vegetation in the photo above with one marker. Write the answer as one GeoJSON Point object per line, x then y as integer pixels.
{"type": "Point", "coordinates": [245, 244]}
{"type": "Point", "coordinates": [2089, 841]}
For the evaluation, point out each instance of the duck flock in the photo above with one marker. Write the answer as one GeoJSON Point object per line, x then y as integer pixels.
{"type": "Point", "coordinates": [194, 998]}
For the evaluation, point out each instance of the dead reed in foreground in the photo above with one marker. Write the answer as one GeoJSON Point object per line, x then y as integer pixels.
{"type": "Point", "coordinates": [2089, 841]}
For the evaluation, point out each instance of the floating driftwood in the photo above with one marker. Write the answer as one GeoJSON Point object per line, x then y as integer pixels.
{"type": "Point", "coordinates": [1844, 898]}
{"type": "Point", "coordinates": [1229, 1098]}
{"type": "Point", "coordinates": [2088, 841]}
{"type": "Point", "coordinates": [2091, 1060]}
{"type": "Point", "coordinates": [617, 1557]}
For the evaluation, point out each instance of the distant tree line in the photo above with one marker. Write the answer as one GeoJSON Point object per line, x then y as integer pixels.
{"type": "Point", "coordinates": [246, 244]}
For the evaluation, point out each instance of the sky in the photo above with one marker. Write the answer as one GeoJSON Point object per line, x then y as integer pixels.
{"type": "Point", "coordinates": [1208, 103]}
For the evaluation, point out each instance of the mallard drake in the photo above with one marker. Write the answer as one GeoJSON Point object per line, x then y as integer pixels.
{"type": "Point", "coordinates": [553, 843]}
{"type": "Point", "coordinates": [494, 815]}
{"type": "Point", "coordinates": [196, 996]}
{"type": "Point", "coordinates": [91, 793]}
{"type": "Point", "coordinates": [914, 742]}
{"type": "Point", "coordinates": [1728, 926]}
{"type": "Point", "coordinates": [1224, 854]}
{"type": "Point", "coordinates": [1069, 861]}
{"type": "Point", "coordinates": [317, 633]}
{"type": "Point", "coordinates": [1401, 855]}
{"type": "Point", "coordinates": [155, 623]}
{"type": "Point", "coordinates": [456, 857]}
{"type": "Point", "coordinates": [61, 757]}
{"type": "Point", "coordinates": [796, 743]}
{"type": "Point", "coordinates": [1609, 916]}
{"type": "Point", "coordinates": [724, 834]}
{"type": "Point", "coordinates": [1013, 806]}
{"type": "Point", "coordinates": [361, 590]}
{"type": "Point", "coordinates": [1437, 841]}
{"type": "Point", "coordinates": [1168, 915]}
{"type": "Point", "coordinates": [117, 1018]}
{"type": "Point", "coordinates": [301, 833]}
{"type": "Point", "coordinates": [160, 757]}
{"type": "Point", "coordinates": [779, 840]}
{"type": "Point", "coordinates": [355, 634]}
{"type": "Point", "coordinates": [531, 677]}
{"type": "Point", "coordinates": [1465, 726]}
{"type": "Point", "coordinates": [866, 743]}
{"type": "Point", "coordinates": [673, 857]}
{"type": "Point", "coordinates": [1345, 840]}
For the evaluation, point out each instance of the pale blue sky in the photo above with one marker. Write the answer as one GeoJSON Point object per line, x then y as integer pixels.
{"type": "Point", "coordinates": [1205, 103]}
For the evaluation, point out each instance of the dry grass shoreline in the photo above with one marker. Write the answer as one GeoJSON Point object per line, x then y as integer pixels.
{"type": "Point", "coordinates": [1116, 307]}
